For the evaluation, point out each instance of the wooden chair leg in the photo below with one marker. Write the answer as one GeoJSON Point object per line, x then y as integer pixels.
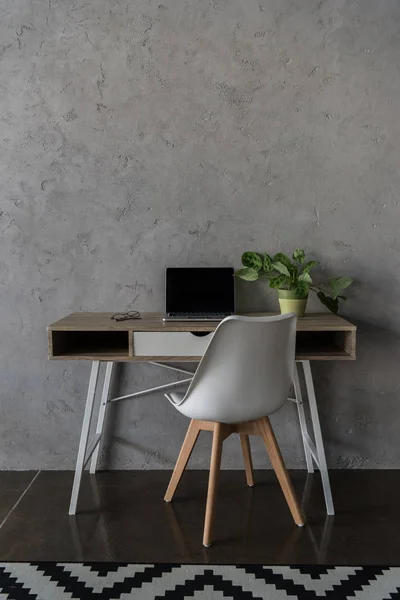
{"type": "Point", "coordinates": [184, 455]}
{"type": "Point", "coordinates": [216, 452]}
{"type": "Point", "coordinates": [280, 469]}
{"type": "Point", "coordinates": [248, 463]}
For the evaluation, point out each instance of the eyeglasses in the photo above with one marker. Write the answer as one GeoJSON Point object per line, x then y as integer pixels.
{"type": "Point", "coordinates": [127, 316]}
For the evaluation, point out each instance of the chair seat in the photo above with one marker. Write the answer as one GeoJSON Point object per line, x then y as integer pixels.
{"type": "Point", "coordinates": [175, 397]}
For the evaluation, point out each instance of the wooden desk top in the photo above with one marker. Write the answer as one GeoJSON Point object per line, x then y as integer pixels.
{"type": "Point", "coordinates": [97, 321]}
{"type": "Point", "coordinates": [95, 336]}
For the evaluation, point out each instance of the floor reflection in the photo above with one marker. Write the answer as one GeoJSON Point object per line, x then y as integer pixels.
{"type": "Point", "coordinates": [102, 527]}
{"type": "Point", "coordinates": [122, 517]}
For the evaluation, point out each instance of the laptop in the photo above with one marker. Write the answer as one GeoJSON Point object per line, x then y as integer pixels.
{"type": "Point", "coordinates": [199, 293]}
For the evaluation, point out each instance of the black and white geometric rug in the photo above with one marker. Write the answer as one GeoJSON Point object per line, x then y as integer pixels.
{"type": "Point", "coordinates": [123, 581]}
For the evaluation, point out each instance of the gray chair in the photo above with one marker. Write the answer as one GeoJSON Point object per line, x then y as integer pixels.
{"type": "Point", "coordinates": [244, 376]}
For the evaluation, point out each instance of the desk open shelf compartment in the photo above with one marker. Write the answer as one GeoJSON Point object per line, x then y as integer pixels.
{"type": "Point", "coordinates": [325, 345]}
{"type": "Point", "coordinates": [89, 344]}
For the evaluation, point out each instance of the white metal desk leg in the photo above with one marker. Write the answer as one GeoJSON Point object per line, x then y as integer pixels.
{"type": "Point", "coordinates": [302, 419]}
{"type": "Point", "coordinates": [318, 437]}
{"type": "Point", "coordinates": [84, 436]}
{"type": "Point", "coordinates": [102, 413]}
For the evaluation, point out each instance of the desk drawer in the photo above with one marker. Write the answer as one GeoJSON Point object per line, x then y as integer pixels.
{"type": "Point", "coordinates": [170, 343]}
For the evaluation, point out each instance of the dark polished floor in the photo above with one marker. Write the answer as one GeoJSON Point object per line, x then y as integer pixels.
{"type": "Point", "coordinates": [122, 517]}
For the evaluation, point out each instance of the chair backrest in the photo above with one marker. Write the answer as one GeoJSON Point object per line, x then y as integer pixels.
{"type": "Point", "coordinates": [246, 371]}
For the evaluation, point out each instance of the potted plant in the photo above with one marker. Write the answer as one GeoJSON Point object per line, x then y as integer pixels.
{"type": "Point", "coordinates": [291, 277]}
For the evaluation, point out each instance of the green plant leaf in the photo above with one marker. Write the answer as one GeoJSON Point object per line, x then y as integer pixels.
{"type": "Point", "coordinates": [276, 282]}
{"type": "Point", "coordinates": [305, 277]}
{"type": "Point", "coordinates": [310, 265]}
{"type": "Point", "coordinates": [302, 289]}
{"type": "Point", "coordinates": [281, 268]}
{"type": "Point", "coordinates": [299, 255]}
{"type": "Point", "coordinates": [247, 273]}
{"type": "Point", "coordinates": [252, 260]}
{"type": "Point", "coordinates": [282, 258]}
{"type": "Point", "coordinates": [267, 263]}
{"type": "Point", "coordinates": [337, 284]}
{"type": "Point", "coordinates": [294, 274]}
{"type": "Point", "coordinates": [331, 303]}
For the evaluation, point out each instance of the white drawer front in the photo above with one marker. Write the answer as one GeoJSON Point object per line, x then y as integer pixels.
{"type": "Point", "coordinates": [169, 343]}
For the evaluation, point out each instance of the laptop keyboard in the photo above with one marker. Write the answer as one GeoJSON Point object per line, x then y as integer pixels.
{"type": "Point", "coordinates": [202, 315]}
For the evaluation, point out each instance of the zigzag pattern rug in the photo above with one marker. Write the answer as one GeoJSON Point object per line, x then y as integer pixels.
{"type": "Point", "coordinates": [122, 581]}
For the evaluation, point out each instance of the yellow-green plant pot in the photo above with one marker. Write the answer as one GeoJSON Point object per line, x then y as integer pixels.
{"type": "Point", "coordinates": [290, 303]}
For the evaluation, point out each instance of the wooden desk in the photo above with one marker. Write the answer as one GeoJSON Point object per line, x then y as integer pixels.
{"type": "Point", "coordinates": [97, 338]}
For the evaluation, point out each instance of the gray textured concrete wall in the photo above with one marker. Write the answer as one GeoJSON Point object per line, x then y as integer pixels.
{"type": "Point", "coordinates": [140, 134]}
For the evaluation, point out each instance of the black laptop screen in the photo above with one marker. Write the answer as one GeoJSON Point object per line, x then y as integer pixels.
{"type": "Point", "coordinates": [200, 290]}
